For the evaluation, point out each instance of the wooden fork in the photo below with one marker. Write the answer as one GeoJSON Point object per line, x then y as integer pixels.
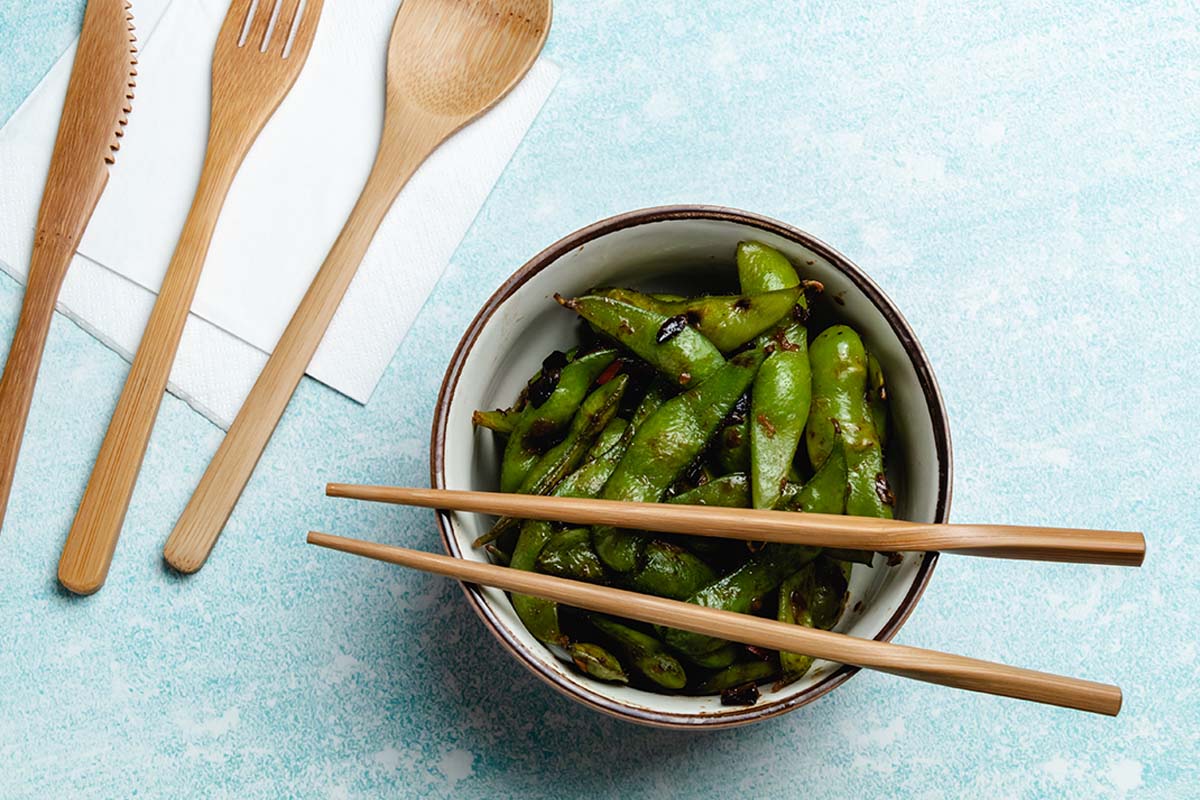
{"type": "Point", "coordinates": [254, 66]}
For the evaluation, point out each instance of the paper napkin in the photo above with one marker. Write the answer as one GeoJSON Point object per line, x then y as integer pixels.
{"type": "Point", "coordinates": [285, 208]}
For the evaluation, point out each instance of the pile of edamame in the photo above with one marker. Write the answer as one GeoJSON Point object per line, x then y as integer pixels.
{"type": "Point", "coordinates": [710, 400]}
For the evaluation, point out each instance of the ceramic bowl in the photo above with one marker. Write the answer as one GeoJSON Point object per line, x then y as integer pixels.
{"type": "Point", "coordinates": [686, 249]}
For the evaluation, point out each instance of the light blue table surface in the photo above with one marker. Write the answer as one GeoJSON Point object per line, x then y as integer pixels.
{"type": "Point", "coordinates": [1023, 181]}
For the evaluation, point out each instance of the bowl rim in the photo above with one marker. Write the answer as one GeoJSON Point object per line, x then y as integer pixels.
{"type": "Point", "coordinates": [908, 340]}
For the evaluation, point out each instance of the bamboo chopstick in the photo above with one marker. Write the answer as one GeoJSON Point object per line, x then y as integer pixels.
{"type": "Point", "coordinates": [1119, 548]}
{"type": "Point", "coordinates": [929, 666]}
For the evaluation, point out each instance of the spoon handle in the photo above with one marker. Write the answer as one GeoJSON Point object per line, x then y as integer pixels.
{"type": "Point", "coordinates": [209, 508]}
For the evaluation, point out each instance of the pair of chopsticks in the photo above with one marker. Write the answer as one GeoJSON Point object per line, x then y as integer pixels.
{"type": "Point", "coordinates": [946, 669]}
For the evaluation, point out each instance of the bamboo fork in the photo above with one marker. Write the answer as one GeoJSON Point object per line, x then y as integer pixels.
{"type": "Point", "coordinates": [449, 61]}
{"type": "Point", "coordinates": [930, 666]}
{"type": "Point", "coordinates": [254, 67]}
{"type": "Point", "coordinates": [1119, 548]}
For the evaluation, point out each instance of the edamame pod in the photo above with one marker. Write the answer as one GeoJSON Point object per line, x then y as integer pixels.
{"type": "Point", "coordinates": [644, 653]}
{"type": "Point", "coordinates": [728, 491]}
{"type": "Point", "coordinates": [597, 411]}
{"type": "Point", "coordinates": [739, 674]}
{"type": "Point", "coordinates": [779, 404]}
{"type": "Point", "coordinates": [663, 447]}
{"type": "Point", "coordinates": [668, 570]}
{"type": "Point", "coordinates": [718, 659]}
{"type": "Point", "coordinates": [569, 554]}
{"type": "Point", "coordinates": [764, 269]}
{"type": "Point", "coordinates": [499, 420]}
{"type": "Point", "coordinates": [731, 450]}
{"type": "Point", "coordinates": [541, 422]}
{"type": "Point", "coordinates": [739, 591]}
{"type": "Point", "coordinates": [728, 321]}
{"type": "Point", "coordinates": [597, 662]}
{"type": "Point", "coordinates": [877, 399]}
{"type": "Point", "coordinates": [814, 596]}
{"type": "Point", "coordinates": [686, 358]}
{"type": "Point", "coordinates": [783, 387]}
{"type": "Point", "coordinates": [839, 412]}
{"type": "Point", "coordinates": [539, 615]}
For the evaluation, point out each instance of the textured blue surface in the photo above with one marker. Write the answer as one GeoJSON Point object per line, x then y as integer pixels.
{"type": "Point", "coordinates": [1022, 180]}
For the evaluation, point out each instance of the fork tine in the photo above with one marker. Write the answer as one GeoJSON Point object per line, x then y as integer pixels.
{"type": "Point", "coordinates": [235, 19]}
{"type": "Point", "coordinates": [256, 38]}
{"type": "Point", "coordinates": [307, 27]}
{"type": "Point", "coordinates": [283, 25]}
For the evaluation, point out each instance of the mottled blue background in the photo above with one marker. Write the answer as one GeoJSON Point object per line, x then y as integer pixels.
{"type": "Point", "coordinates": [1021, 179]}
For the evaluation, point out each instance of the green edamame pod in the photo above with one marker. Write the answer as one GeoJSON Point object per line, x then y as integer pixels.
{"type": "Point", "coordinates": [597, 662]}
{"type": "Point", "coordinates": [764, 269]}
{"type": "Point", "coordinates": [739, 591]}
{"type": "Point", "coordinates": [663, 447]}
{"type": "Point", "coordinates": [728, 491]}
{"type": "Point", "coordinates": [598, 409]}
{"type": "Point", "coordinates": [779, 404]}
{"type": "Point", "coordinates": [814, 596]}
{"type": "Point", "coordinates": [569, 554]}
{"type": "Point", "coordinates": [540, 422]}
{"type": "Point", "coordinates": [877, 399]}
{"type": "Point", "coordinates": [668, 570]}
{"type": "Point", "coordinates": [731, 449]}
{"type": "Point", "coordinates": [644, 653]}
{"type": "Point", "coordinates": [499, 420]}
{"type": "Point", "coordinates": [539, 615]}
{"type": "Point", "coordinates": [839, 411]}
{"type": "Point", "coordinates": [728, 321]}
{"type": "Point", "coordinates": [718, 659]}
{"type": "Point", "coordinates": [686, 358]}
{"type": "Point", "coordinates": [783, 388]}
{"type": "Point", "coordinates": [739, 674]}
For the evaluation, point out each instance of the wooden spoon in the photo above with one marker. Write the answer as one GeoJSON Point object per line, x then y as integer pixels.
{"type": "Point", "coordinates": [449, 61]}
{"type": "Point", "coordinates": [251, 74]}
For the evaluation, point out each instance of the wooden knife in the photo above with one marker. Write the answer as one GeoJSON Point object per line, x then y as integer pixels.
{"type": "Point", "coordinates": [93, 115]}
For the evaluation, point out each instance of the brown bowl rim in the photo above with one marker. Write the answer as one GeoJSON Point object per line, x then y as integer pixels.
{"type": "Point", "coordinates": [908, 339]}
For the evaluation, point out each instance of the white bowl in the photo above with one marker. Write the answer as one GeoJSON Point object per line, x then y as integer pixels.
{"type": "Point", "coordinates": [686, 248]}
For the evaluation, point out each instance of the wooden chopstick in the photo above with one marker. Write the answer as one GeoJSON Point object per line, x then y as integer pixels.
{"type": "Point", "coordinates": [929, 666]}
{"type": "Point", "coordinates": [1119, 548]}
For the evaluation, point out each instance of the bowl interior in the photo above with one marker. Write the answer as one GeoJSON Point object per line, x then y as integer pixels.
{"type": "Point", "coordinates": [687, 255]}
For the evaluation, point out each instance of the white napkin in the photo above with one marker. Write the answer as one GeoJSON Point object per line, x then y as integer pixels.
{"type": "Point", "coordinates": [285, 208]}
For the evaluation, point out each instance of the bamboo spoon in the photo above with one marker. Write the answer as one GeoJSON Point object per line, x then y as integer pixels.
{"type": "Point", "coordinates": [448, 62]}
{"type": "Point", "coordinates": [929, 666]}
{"type": "Point", "coordinates": [93, 117]}
{"type": "Point", "coordinates": [252, 72]}
{"type": "Point", "coordinates": [1117, 548]}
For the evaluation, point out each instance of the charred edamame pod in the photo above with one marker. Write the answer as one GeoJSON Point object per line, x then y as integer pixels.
{"type": "Point", "coordinates": [541, 422]}
{"type": "Point", "coordinates": [664, 446]}
{"type": "Point", "coordinates": [739, 674]}
{"type": "Point", "coordinates": [644, 653]}
{"type": "Point", "coordinates": [569, 554]}
{"type": "Point", "coordinates": [877, 399]}
{"type": "Point", "coordinates": [840, 412]}
{"type": "Point", "coordinates": [727, 491]}
{"type": "Point", "coordinates": [740, 591]}
{"type": "Point", "coordinates": [728, 321]}
{"type": "Point", "coordinates": [597, 662]}
{"type": "Point", "coordinates": [680, 353]}
{"type": "Point", "coordinates": [814, 596]}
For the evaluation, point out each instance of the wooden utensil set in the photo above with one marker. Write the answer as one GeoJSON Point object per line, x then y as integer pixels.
{"type": "Point", "coordinates": [448, 62]}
